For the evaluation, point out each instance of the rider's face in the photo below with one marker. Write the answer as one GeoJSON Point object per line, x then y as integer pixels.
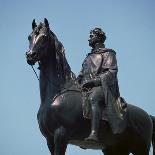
{"type": "Point", "coordinates": [93, 39]}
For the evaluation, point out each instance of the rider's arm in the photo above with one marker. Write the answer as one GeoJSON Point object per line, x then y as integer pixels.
{"type": "Point", "coordinates": [109, 69]}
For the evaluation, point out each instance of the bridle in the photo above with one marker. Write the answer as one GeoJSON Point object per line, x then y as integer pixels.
{"type": "Point", "coordinates": [35, 72]}
{"type": "Point", "coordinates": [46, 77]}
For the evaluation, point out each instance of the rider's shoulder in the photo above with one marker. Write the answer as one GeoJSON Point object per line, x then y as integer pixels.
{"type": "Point", "coordinates": [106, 50]}
{"type": "Point", "coordinates": [103, 51]}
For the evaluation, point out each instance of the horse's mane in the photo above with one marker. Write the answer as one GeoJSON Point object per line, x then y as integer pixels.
{"type": "Point", "coordinates": [63, 68]}
{"type": "Point", "coordinates": [66, 76]}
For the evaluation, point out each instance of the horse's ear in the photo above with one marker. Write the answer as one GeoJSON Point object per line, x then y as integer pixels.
{"type": "Point", "coordinates": [46, 22]}
{"type": "Point", "coordinates": [34, 24]}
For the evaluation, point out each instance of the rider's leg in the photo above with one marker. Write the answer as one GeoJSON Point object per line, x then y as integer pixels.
{"type": "Point", "coordinates": [95, 98]}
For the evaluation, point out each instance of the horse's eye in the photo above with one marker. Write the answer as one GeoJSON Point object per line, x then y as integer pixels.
{"type": "Point", "coordinates": [44, 37]}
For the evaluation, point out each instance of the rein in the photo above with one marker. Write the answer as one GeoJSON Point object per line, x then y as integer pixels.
{"type": "Point", "coordinates": [35, 72]}
{"type": "Point", "coordinates": [50, 82]}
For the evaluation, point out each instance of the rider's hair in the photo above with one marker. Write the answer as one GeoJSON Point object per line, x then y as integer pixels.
{"type": "Point", "coordinates": [100, 34]}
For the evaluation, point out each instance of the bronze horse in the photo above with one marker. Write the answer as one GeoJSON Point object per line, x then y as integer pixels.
{"type": "Point", "coordinates": [60, 115]}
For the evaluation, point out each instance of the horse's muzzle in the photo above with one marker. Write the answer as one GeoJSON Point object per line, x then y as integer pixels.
{"type": "Point", "coordinates": [32, 57]}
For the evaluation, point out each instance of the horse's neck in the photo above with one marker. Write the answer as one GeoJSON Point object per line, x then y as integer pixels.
{"type": "Point", "coordinates": [55, 75]}
{"type": "Point", "coordinates": [48, 84]}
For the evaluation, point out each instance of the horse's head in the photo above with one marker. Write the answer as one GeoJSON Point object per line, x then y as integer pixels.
{"type": "Point", "coordinates": [45, 48]}
{"type": "Point", "coordinates": [40, 42]}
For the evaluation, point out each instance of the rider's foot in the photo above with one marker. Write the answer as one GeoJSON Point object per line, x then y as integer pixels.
{"type": "Point", "coordinates": [92, 137]}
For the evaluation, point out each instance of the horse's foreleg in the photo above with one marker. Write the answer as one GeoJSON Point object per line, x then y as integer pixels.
{"type": "Point", "coordinates": [115, 152]}
{"type": "Point", "coordinates": [60, 141]}
{"type": "Point", "coordinates": [50, 144]}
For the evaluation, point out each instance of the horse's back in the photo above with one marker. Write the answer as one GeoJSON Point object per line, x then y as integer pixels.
{"type": "Point", "coordinates": [140, 123]}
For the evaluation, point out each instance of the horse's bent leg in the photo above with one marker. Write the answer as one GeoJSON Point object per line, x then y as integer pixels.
{"type": "Point", "coordinates": [60, 141]}
{"type": "Point", "coordinates": [50, 144]}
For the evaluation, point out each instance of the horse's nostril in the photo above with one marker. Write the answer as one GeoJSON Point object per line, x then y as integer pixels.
{"type": "Point", "coordinates": [34, 54]}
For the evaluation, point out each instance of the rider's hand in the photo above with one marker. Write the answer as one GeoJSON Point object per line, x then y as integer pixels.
{"type": "Point", "coordinates": [88, 84]}
{"type": "Point", "coordinates": [92, 83]}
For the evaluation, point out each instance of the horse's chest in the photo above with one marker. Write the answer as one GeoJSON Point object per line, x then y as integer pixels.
{"type": "Point", "coordinates": [42, 117]}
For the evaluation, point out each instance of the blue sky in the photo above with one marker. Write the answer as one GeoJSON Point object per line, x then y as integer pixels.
{"type": "Point", "coordinates": [130, 29]}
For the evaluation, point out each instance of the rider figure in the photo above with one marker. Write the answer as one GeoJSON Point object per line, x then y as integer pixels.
{"type": "Point", "coordinates": [99, 76]}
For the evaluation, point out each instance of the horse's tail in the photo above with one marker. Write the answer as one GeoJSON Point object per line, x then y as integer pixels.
{"type": "Point", "coordinates": [153, 134]}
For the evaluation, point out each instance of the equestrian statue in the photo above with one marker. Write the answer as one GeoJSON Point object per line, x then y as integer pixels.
{"type": "Point", "coordinates": [87, 110]}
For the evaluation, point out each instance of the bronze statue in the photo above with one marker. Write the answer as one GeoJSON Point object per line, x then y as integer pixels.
{"type": "Point", "coordinates": [60, 116]}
